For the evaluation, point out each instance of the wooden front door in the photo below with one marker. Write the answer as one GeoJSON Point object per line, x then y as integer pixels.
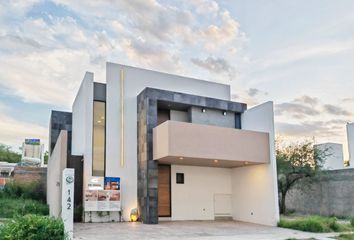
{"type": "Point", "coordinates": [164, 191]}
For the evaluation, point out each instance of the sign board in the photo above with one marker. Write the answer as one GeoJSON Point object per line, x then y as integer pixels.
{"type": "Point", "coordinates": [105, 199]}
{"type": "Point", "coordinates": [67, 201]}
{"type": "Point", "coordinates": [95, 183]}
{"type": "Point", "coordinates": [33, 141]}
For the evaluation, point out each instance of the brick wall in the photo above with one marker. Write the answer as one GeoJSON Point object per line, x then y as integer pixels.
{"type": "Point", "coordinates": [333, 194]}
{"type": "Point", "coordinates": [30, 174]}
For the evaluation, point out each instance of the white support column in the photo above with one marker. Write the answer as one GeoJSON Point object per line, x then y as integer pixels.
{"type": "Point", "coordinates": [255, 190]}
{"type": "Point", "coordinates": [67, 201]}
{"type": "Point", "coordinates": [350, 137]}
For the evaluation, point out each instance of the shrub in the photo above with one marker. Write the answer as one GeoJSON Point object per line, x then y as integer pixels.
{"type": "Point", "coordinates": [314, 224]}
{"type": "Point", "coordinates": [352, 221]}
{"type": "Point", "coordinates": [31, 190]}
{"type": "Point", "coordinates": [345, 237]}
{"type": "Point", "coordinates": [32, 227]}
{"type": "Point", "coordinates": [11, 207]}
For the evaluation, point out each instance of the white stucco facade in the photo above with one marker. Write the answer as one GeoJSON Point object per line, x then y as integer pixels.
{"type": "Point", "coordinates": [135, 81]}
{"type": "Point", "coordinates": [255, 191]}
{"type": "Point", "coordinates": [247, 193]}
{"type": "Point", "coordinates": [195, 199]}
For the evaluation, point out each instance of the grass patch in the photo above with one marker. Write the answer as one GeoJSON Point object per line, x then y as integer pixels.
{"type": "Point", "coordinates": [32, 190]}
{"type": "Point", "coordinates": [345, 237]}
{"type": "Point", "coordinates": [32, 227]}
{"type": "Point", "coordinates": [11, 207]}
{"type": "Point", "coordinates": [316, 224]}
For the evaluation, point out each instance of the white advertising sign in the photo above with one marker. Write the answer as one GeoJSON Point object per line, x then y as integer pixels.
{"type": "Point", "coordinates": [67, 201]}
{"type": "Point", "coordinates": [105, 199]}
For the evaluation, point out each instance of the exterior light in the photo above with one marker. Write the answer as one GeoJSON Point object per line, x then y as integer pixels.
{"type": "Point", "coordinates": [180, 158]}
{"type": "Point", "coordinates": [224, 113]}
{"type": "Point", "coordinates": [203, 110]}
{"type": "Point", "coordinates": [134, 215]}
{"type": "Point", "coordinates": [216, 161]}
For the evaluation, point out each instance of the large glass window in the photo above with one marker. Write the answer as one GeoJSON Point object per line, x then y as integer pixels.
{"type": "Point", "coordinates": [99, 138]}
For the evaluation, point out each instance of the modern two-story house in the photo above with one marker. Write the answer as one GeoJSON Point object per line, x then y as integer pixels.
{"type": "Point", "coordinates": [172, 147]}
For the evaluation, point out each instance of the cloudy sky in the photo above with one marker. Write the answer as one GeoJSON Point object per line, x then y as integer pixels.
{"type": "Point", "coordinates": [299, 54]}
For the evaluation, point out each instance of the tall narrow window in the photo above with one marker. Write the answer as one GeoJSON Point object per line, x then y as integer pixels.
{"type": "Point", "coordinates": [99, 138]}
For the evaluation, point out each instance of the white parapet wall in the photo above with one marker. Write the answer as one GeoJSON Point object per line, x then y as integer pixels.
{"type": "Point", "coordinates": [56, 165]}
{"type": "Point", "coordinates": [254, 188]}
{"type": "Point", "coordinates": [82, 125]}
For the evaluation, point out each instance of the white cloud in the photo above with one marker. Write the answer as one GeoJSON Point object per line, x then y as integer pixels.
{"type": "Point", "coordinates": [14, 131]}
{"type": "Point", "coordinates": [216, 36]}
{"type": "Point", "coordinates": [205, 6]}
{"type": "Point", "coordinates": [297, 53]}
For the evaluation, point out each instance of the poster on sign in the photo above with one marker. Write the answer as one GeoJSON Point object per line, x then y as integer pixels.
{"type": "Point", "coordinates": [106, 198]}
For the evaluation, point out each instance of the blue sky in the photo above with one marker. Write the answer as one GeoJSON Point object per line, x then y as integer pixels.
{"type": "Point", "coordinates": [299, 54]}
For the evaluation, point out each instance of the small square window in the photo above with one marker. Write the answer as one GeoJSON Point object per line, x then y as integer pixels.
{"type": "Point", "coordinates": [180, 178]}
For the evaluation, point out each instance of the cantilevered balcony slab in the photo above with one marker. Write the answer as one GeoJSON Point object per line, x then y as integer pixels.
{"type": "Point", "coordinates": [184, 143]}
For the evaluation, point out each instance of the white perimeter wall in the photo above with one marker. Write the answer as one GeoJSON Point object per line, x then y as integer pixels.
{"type": "Point", "coordinates": [254, 188]}
{"type": "Point", "coordinates": [56, 165]}
{"type": "Point", "coordinates": [194, 200]}
{"type": "Point", "coordinates": [137, 80]}
{"type": "Point", "coordinates": [82, 111]}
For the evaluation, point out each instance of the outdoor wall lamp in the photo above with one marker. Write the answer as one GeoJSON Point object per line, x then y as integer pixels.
{"type": "Point", "coordinates": [134, 216]}
{"type": "Point", "coordinates": [203, 110]}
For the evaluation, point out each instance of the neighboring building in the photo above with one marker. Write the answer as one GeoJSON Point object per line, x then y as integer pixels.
{"type": "Point", "coordinates": [175, 148]}
{"type": "Point", "coordinates": [6, 172]}
{"type": "Point", "coordinates": [333, 159]}
{"type": "Point", "coordinates": [350, 137]}
{"type": "Point", "coordinates": [6, 169]}
{"type": "Point", "coordinates": [32, 153]}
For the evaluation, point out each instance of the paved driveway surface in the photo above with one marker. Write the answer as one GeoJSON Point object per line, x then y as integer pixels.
{"type": "Point", "coordinates": [202, 230]}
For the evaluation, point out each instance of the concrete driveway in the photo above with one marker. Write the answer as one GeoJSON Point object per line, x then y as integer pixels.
{"type": "Point", "coordinates": [188, 230]}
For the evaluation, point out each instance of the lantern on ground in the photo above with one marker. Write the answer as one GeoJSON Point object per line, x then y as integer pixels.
{"type": "Point", "coordinates": [134, 215]}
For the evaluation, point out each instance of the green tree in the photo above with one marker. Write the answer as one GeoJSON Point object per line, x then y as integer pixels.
{"type": "Point", "coordinates": [295, 162]}
{"type": "Point", "coordinates": [8, 155]}
{"type": "Point", "coordinates": [46, 157]}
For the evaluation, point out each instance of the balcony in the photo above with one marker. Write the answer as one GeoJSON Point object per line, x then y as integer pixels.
{"type": "Point", "coordinates": [184, 143]}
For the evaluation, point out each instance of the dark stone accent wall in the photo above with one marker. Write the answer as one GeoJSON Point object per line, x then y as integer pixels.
{"type": "Point", "coordinates": [147, 105]}
{"type": "Point", "coordinates": [238, 121]}
{"type": "Point", "coordinates": [63, 121]}
{"type": "Point", "coordinates": [59, 121]}
{"type": "Point", "coordinates": [147, 167]}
